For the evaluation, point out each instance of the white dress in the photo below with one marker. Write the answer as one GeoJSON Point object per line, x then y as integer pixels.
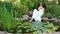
{"type": "Point", "coordinates": [38, 14]}
{"type": "Point", "coordinates": [37, 17]}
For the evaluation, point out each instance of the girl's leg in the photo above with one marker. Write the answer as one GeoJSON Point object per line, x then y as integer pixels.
{"type": "Point", "coordinates": [38, 24]}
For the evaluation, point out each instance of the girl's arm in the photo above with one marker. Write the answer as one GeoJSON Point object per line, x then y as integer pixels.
{"type": "Point", "coordinates": [38, 8]}
{"type": "Point", "coordinates": [31, 19]}
{"type": "Point", "coordinates": [33, 15]}
{"type": "Point", "coordinates": [44, 13]}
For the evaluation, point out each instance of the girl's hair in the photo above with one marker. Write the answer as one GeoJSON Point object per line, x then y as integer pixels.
{"type": "Point", "coordinates": [44, 5]}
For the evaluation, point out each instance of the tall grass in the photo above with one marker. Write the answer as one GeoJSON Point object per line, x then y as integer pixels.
{"type": "Point", "coordinates": [8, 21]}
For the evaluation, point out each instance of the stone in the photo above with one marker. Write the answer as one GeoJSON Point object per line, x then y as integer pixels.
{"type": "Point", "coordinates": [25, 17]}
{"type": "Point", "coordinates": [30, 14]}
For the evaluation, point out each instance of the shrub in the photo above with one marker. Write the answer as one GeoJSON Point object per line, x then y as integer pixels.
{"type": "Point", "coordinates": [8, 21]}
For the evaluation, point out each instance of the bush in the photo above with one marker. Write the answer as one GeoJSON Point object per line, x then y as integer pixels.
{"type": "Point", "coordinates": [8, 21]}
{"type": "Point", "coordinates": [52, 10]}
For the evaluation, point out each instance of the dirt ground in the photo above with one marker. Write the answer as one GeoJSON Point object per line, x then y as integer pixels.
{"type": "Point", "coordinates": [28, 33]}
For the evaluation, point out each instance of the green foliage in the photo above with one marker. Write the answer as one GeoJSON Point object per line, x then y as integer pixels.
{"type": "Point", "coordinates": [52, 9]}
{"type": "Point", "coordinates": [59, 2]}
{"type": "Point", "coordinates": [9, 11]}
{"type": "Point", "coordinates": [46, 27]}
{"type": "Point", "coordinates": [24, 6]}
{"type": "Point", "coordinates": [8, 21]}
{"type": "Point", "coordinates": [27, 5]}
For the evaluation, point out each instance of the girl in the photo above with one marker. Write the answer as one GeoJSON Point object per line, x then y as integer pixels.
{"type": "Point", "coordinates": [37, 14]}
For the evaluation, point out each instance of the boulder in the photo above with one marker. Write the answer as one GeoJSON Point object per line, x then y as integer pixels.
{"type": "Point", "coordinates": [30, 13]}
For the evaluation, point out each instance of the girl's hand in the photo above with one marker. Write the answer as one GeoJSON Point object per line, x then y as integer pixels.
{"type": "Point", "coordinates": [30, 21]}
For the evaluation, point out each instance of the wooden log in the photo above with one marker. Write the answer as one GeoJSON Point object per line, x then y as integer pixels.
{"type": "Point", "coordinates": [26, 17]}
{"type": "Point", "coordinates": [52, 19]}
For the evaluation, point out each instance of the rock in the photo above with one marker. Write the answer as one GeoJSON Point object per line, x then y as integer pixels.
{"type": "Point", "coordinates": [2, 32]}
{"type": "Point", "coordinates": [30, 13]}
{"type": "Point", "coordinates": [25, 17]}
